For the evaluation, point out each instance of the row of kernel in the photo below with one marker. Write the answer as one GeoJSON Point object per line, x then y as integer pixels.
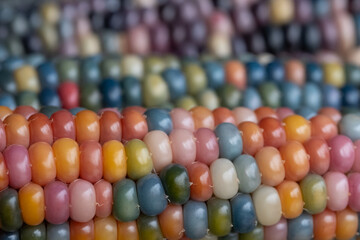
{"type": "Point", "coordinates": [135, 122]}
{"type": "Point", "coordinates": [290, 162]}
{"type": "Point", "coordinates": [326, 225]}
{"type": "Point", "coordinates": [251, 70]}
{"type": "Point", "coordinates": [185, 27]}
{"type": "Point", "coordinates": [195, 218]}
{"type": "Point", "coordinates": [94, 83]}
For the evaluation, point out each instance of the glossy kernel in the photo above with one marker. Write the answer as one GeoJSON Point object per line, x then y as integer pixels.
{"type": "Point", "coordinates": [243, 213]}
{"type": "Point", "coordinates": [139, 162]}
{"type": "Point", "coordinates": [151, 195]}
{"type": "Point", "coordinates": [58, 231]}
{"type": "Point", "coordinates": [267, 205]}
{"type": "Point", "coordinates": [158, 119]}
{"type": "Point", "coordinates": [195, 219]}
{"type": "Point", "coordinates": [199, 176]}
{"type": "Point", "coordinates": [319, 154]}
{"type": "Point", "coordinates": [82, 200]}
{"type": "Point", "coordinates": [82, 231]}
{"type": "Point", "coordinates": [110, 127]}
{"type": "Point", "coordinates": [296, 161]}
{"type": "Point", "coordinates": [57, 202]}
{"type": "Point", "coordinates": [313, 189]}
{"type": "Point", "coordinates": [40, 129]}
{"type": "Point", "coordinates": [291, 199]}
{"type": "Point", "coordinates": [337, 187]}
{"type": "Point", "coordinates": [270, 165]}
{"type": "Point", "coordinates": [277, 231]}
{"type": "Point", "coordinates": [229, 140]}
{"type": "Point", "coordinates": [324, 225]}
{"type": "Point", "coordinates": [133, 125]}
{"type": "Point", "coordinates": [91, 161]}
{"type": "Point", "coordinates": [104, 198]}
{"type": "Point", "coordinates": [203, 117]}
{"type": "Point", "coordinates": [346, 224]}
{"type": "Point", "coordinates": [171, 222]}
{"type": "Point", "coordinates": [224, 178]}
{"type": "Point", "coordinates": [273, 132]}
{"type": "Point", "coordinates": [149, 227]}
{"type": "Point", "coordinates": [32, 204]}
{"type": "Point", "coordinates": [159, 146]}
{"type": "Point", "coordinates": [105, 228]}
{"type": "Point", "coordinates": [87, 126]}
{"type": "Point", "coordinates": [301, 227]}
{"type": "Point", "coordinates": [18, 165]}
{"type": "Point", "coordinates": [222, 114]}
{"type": "Point", "coordinates": [42, 160]}
{"type": "Point", "coordinates": [114, 161]}
{"type": "Point", "coordinates": [66, 152]}
{"type": "Point", "coordinates": [297, 128]}
{"type": "Point", "coordinates": [219, 215]}
{"type": "Point", "coordinates": [207, 147]}
{"type": "Point", "coordinates": [17, 130]}
{"type": "Point", "coordinates": [342, 153]}
{"type": "Point", "coordinates": [182, 119]}
{"type": "Point", "coordinates": [183, 146]}
{"type": "Point", "coordinates": [247, 172]}
{"type": "Point", "coordinates": [175, 180]}
{"type": "Point", "coordinates": [37, 232]}
{"type": "Point", "coordinates": [10, 212]}
{"type": "Point", "coordinates": [252, 137]}
{"type": "Point", "coordinates": [125, 201]}
{"type": "Point", "coordinates": [323, 126]}
{"type": "Point", "coordinates": [63, 125]}
{"type": "Point", "coordinates": [127, 231]}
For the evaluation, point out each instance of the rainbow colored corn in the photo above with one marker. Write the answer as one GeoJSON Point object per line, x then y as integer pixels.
{"type": "Point", "coordinates": [178, 174]}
